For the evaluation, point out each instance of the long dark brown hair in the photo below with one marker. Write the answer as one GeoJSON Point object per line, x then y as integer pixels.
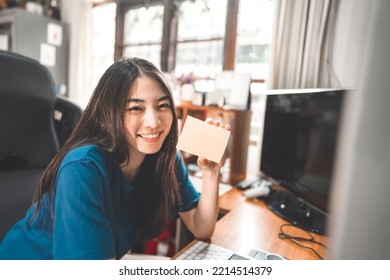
{"type": "Point", "coordinates": [102, 124]}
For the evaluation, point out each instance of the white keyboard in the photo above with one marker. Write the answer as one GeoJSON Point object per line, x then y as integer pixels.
{"type": "Point", "coordinates": [205, 251]}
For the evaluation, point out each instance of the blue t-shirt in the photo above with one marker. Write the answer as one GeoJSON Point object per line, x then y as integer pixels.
{"type": "Point", "coordinates": [93, 218]}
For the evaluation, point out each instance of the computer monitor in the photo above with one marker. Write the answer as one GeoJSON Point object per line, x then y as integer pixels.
{"type": "Point", "coordinates": [298, 151]}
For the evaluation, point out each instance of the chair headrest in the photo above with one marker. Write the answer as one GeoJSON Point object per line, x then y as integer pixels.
{"type": "Point", "coordinates": [27, 99]}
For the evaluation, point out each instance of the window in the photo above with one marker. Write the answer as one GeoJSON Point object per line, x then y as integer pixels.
{"type": "Point", "coordinates": [103, 39]}
{"type": "Point", "coordinates": [254, 37]}
{"type": "Point", "coordinates": [143, 33]}
{"type": "Point", "coordinates": [252, 54]}
{"type": "Point", "coordinates": [200, 38]}
{"type": "Point", "coordinates": [191, 39]}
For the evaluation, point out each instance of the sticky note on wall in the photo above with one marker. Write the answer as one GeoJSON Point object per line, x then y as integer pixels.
{"type": "Point", "coordinates": [203, 139]}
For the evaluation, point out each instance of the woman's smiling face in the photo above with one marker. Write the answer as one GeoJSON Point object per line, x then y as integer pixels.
{"type": "Point", "coordinates": [148, 117]}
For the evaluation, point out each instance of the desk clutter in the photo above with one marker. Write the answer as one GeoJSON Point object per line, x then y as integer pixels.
{"type": "Point", "coordinates": [227, 88]}
{"type": "Point", "coordinates": [258, 189]}
{"type": "Point", "coordinates": [197, 182]}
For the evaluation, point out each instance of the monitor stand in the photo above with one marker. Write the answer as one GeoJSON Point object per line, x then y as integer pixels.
{"type": "Point", "coordinates": [296, 211]}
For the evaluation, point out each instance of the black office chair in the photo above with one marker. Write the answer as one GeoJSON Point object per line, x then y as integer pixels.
{"type": "Point", "coordinates": [29, 134]}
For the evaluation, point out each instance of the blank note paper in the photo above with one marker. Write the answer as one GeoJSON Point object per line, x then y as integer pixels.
{"type": "Point", "coordinates": [203, 139]}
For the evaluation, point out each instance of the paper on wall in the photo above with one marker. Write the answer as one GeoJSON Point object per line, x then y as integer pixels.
{"type": "Point", "coordinates": [47, 55]}
{"type": "Point", "coordinates": [4, 41]}
{"type": "Point", "coordinates": [54, 34]}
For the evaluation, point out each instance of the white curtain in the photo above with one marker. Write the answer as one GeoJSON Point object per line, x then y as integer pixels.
{"type": "Point", "coordinates": [77, 14]}
{"type": "Point", "coordinates": [302, 36]}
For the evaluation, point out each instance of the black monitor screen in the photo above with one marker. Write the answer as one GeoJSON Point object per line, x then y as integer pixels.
{"type": "Point", "coordinates": [299, 142]}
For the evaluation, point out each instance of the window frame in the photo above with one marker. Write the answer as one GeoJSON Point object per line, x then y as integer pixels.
{"type": "Point", "coordinates": [169, 36]}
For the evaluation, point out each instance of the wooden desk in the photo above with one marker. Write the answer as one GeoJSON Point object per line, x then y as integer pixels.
{"type": "Point", "coordinates": [230, 200]}
{"type": "Point", "coordinates": [249, 223]}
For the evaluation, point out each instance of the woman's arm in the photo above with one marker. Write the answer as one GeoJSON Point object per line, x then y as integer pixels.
{"type": "Point", "coordinates": [202, 219]}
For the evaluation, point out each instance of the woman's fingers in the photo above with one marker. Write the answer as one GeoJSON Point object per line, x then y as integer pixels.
{"type": "Point", "coordinates": [217, 123]}
{"type": "Point", "coordinates": [209, 120]}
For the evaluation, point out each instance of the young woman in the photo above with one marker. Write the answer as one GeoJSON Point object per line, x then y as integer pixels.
{"type": "Point", "coordinates": [118, 178]}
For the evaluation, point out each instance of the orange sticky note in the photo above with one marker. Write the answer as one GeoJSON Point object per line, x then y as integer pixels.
{"type": "Point", "coordinates": [203, 139]}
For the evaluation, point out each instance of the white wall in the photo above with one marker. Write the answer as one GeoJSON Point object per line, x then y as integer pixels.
{"type": "Point", "coordinates": [361, 188]}
{"type": "Point", "coordinates": [350, 39]}
{"type": "Point", "coordinates": [77, 14]}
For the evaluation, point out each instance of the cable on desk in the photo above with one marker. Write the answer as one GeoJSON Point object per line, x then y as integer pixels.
{"type": "Point", "coordinates": [296, 239]}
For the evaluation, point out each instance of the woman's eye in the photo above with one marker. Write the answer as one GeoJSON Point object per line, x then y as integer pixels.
{"type": "Point", "coordinates": [135, 109]}
{"type": "Point", "coordinates": [164, 105]}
